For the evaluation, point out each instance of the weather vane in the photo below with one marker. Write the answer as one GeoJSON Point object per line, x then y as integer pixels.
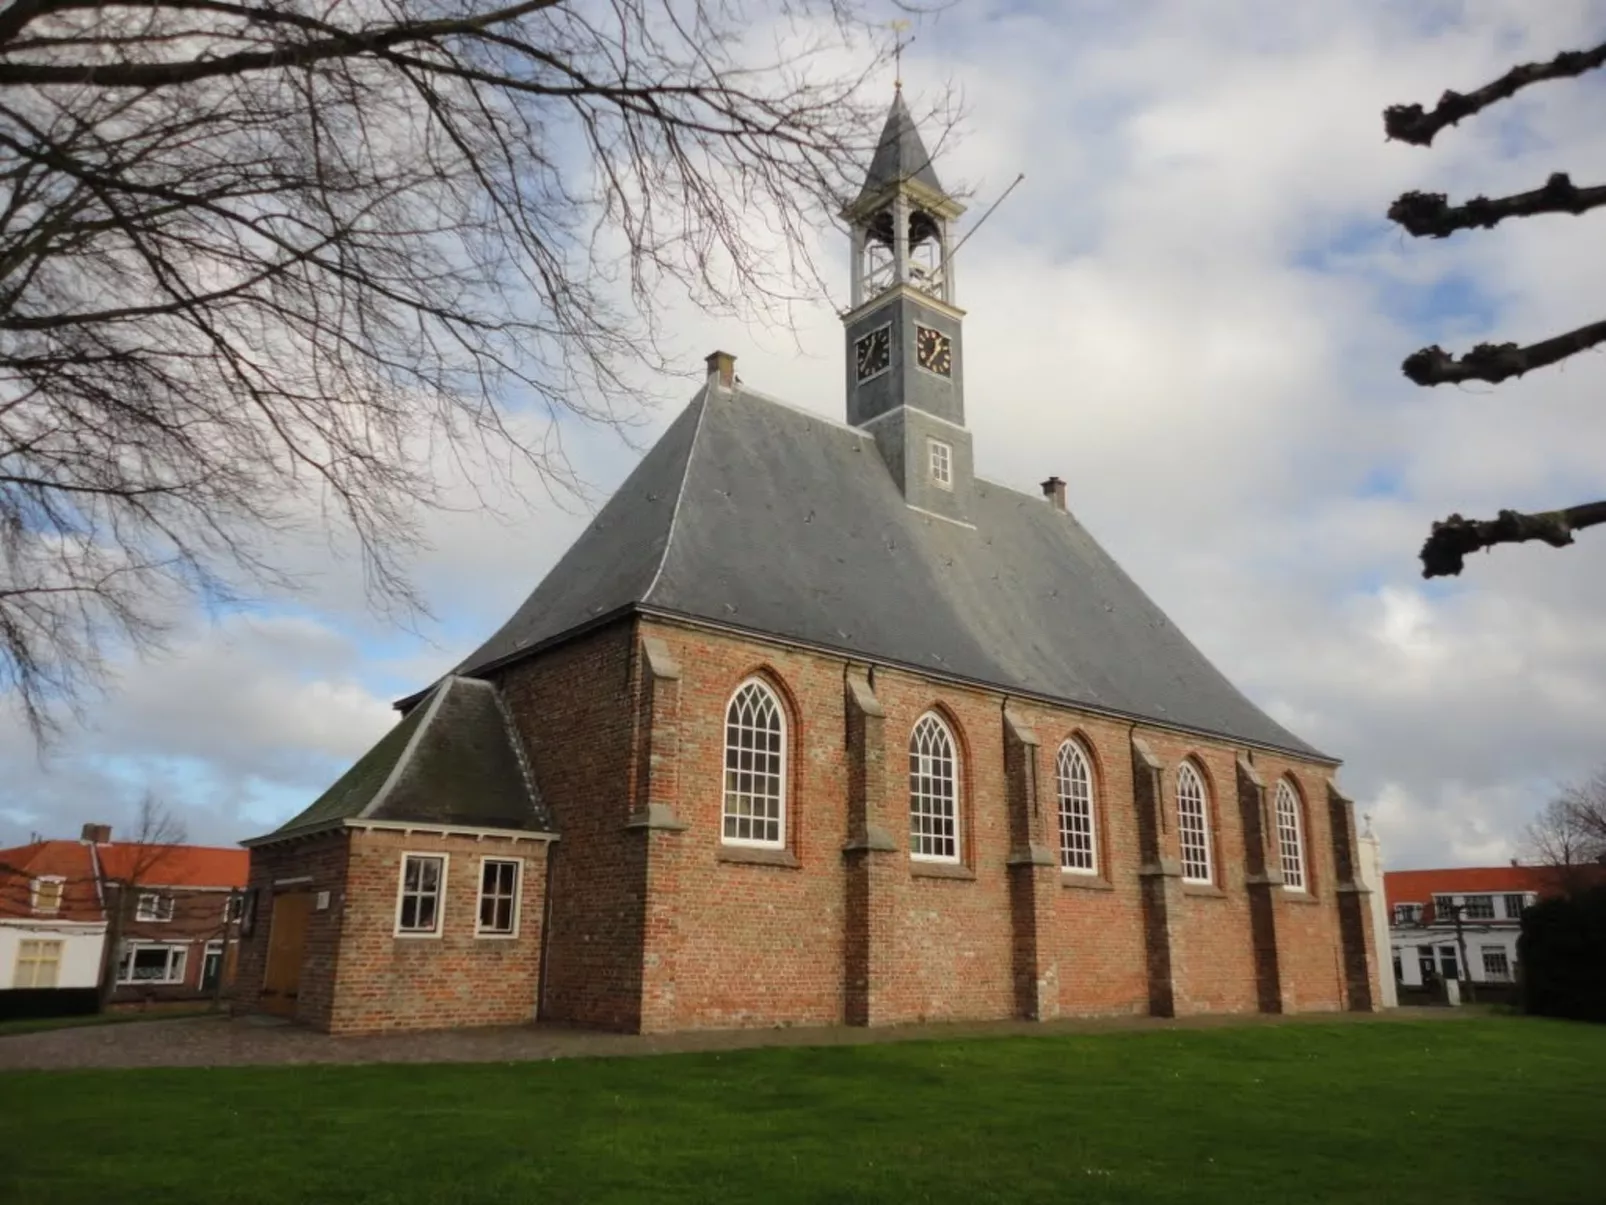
{"type": "Point", "coordinates": [898, 43]}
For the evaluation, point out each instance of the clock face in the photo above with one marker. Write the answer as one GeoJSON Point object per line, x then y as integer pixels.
{"type": "Point", "coordinates": [933, 351]}
{"type": "Point", "coordinates": [873, 353]}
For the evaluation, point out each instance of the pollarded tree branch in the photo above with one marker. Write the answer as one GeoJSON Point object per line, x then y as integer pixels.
{"type": "Point", "coordinates": [1444, 551]}
{"type": "Point", "coordinates": [1429, 213]}
{"type": "Point", "coordinates": [1494, 362]}
{"type": "Point", "coordinates": [1409, 123]}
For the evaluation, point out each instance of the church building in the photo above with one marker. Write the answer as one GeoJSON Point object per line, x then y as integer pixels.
{"type": "Point", "coordinates": [814, 726]}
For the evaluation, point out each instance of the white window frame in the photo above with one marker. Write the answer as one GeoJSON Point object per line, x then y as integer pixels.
{"type": "Point", "coordinates": [926, 768]}
{"type": "Point", "coordinates": [1407, 914]}
{"type": "Point", "coordinates": [440, 893]}
{"type": "Point", "coordinates": [1188, 824]}
{"type": "Point", "coordinates": [55, 948]}
{"type": "Point", "coordinates": [57, 881]}
{"type": "Point", "coordinates": [1443, 914]}
{"type": "Point", "coordinates": [1466, 907]}
{"type": "Point", "coordinates": [178, 956]}
{"type": "Point", "coordinates": [1503, 975]}
{"type": "Point", "coordinates": [940, 456]}
{"type": "Point", "coordinates": [160, 911]}
{"type": "Point", "coordinates": [1522, 902]}
{"type": "Point", "coordinates": [738, 805]}
{"type": "Point", "coordinates": [1074, 788]}
{"type": "Point", "coordinates": [1290, 838]}
{"type": "Point", "coordinates": [515, 904]}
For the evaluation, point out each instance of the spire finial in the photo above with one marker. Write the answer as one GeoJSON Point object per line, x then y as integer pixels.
{"type": "Point", "coordinates": [898, 43]}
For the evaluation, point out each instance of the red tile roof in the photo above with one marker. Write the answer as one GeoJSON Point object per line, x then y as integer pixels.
{"type": "Point", "coordinates": [170, 866]}
{"type": "Point", "coordinates": [1420, 886]}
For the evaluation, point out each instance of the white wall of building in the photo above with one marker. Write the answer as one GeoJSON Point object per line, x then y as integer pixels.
{"type": "Point", "coordinates": [1370, 851]}
{"type": "Point", "coordinates": [81, 947]}
{"type": "Point", "coordinates": [1491, 945]}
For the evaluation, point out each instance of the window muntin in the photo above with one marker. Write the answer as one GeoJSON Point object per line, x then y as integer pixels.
{"type": "Point", "coordinates": [1290, 837]}
{"type": "Point", "coordinates": [38, 964]}
{"type": "Point", "coordinates": [942, 463]}
{"type": "Point", "coordinates": [1478, 907]}
{"type": "Point", "coordinates": [154, 907]}
{"type": "Point", "coordinates": [152, 963]}
{"type": "Point", "coordinates": [1515, 903]}
{"type": "Point", "coordinates": [45, 896]}
{"type": "Point", "coordinates": [1407, 914]}
{"type": "Point", "coordinates": [1193, 825]}
{"type": "Point", "coordinates": [1444, 909]}
{"type": "Point", "coordinates": [1073, 780]}
{"type": "Point", "coordinates": [499, 897]}
{"type": "Point", "coordinates": [933, 792]}
{"type": "Point", "coordinates": [1496, 964]}
{"type": "Point", "coordinates": [755, 768]}
{"type": "Point", "coordinates": [422, 888]}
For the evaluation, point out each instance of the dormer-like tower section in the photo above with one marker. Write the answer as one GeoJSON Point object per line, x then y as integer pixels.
{"type": "Point", "coordinates": [905, 361]}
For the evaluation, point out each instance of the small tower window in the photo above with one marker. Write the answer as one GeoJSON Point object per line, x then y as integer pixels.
{"type": "Point", "coordinates": [942, 463]}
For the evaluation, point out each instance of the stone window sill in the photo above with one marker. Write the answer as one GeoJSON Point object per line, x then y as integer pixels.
{"type": "Point", "coordinates": [1086, 882]}
{"type": "Point", "coordinates": [753, 856]}
{"type": "Point", "coordinates": [1204, 891]}
{"type": "Point", "coordinates": [941, 870]}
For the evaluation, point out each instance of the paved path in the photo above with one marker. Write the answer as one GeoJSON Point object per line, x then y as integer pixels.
{"type": "Point", "coordinates": [224, 1042]}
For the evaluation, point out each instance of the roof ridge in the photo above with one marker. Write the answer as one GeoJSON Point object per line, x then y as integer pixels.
{"type": "Point", "coordinates": [770, 398]}
{"type": "Point", "coordinates": [701, 399]}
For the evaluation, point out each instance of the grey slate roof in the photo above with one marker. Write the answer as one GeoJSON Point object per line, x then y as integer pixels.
{"type": "Point", "coordinates": [452, 760]}
{"type": "Point", "coordinates": [900, 155]}
{"type": "Point", "coordinates": [754, 515]}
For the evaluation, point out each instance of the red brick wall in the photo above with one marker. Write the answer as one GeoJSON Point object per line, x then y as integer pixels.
{"type": "Point", "coordinates": [198, 918]}
{"type": "Point", "coordinates": [457, 978]}
{"type": "Point", "coordinates": [578, 711]}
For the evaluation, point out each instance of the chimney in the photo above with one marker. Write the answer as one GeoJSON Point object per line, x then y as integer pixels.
{"type": "Point", "coordinates": [97, 834]}
{"type": "Point", "coordinates": [721, 370]}
{"type": "Point", "coordinates": [1054, 491]}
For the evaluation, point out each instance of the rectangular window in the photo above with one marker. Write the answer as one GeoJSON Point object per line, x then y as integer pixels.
{"type": "Point", "coordinates": [942, 463]}
{"type": "Point", "coordinates": [153, 906]}
{"type": "Point", "coordinates": [152, 964]}
{"type": "Point", "coordinates": [47, 894]}
{"type": "Point", "coordinates": [1407, 914]}
{"type": "Point", "coordinates": [499, 897]}
{"type": "Point", "coordinates": [1496, 965]}
{"type": "Point", "coordinates": [1399, 971]}
{"type": "Point", "coordinates": [1424, 963]}
{"type": "Point", "coordinates": [1514, 905]}
{"type": "Point", "coordinates": [1444, 909]}
{"type": "Point", "coordinates": [1478, 907]}
{"type": "Point", "coordinates": [38, 964]}
{"type": "Point", "coordinates": [234, 908]}
{"type": "Point", "coordinates": [1448, 966]}
{"type": "Point", "coordinates": [423, 880]}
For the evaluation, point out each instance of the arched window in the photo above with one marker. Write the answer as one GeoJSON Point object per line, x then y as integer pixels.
{"type": "Point", "coordinates": [1073, 779]}
{"type": "Point", "coordinates": [1193, 824]}
{"type": "Point", "coordinates": [755, 767]}
{"type": "Point", "coordinates": [933, 792]}
{"type": "Point", "coordinates": [1290, 837]}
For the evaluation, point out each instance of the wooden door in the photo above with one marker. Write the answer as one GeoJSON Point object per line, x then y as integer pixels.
{"type": "Point", "coordinates": [287, 941]}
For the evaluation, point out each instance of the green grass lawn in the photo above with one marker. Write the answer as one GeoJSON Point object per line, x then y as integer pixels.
{"type": "Point", "coordinates": [1492, 1110]}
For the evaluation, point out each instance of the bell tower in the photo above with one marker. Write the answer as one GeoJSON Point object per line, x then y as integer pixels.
{"type": "Point", "coordinates": [905, 362]}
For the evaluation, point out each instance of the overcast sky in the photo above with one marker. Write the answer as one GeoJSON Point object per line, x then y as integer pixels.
{"type": "Point", "coordinates": [1193, 311]}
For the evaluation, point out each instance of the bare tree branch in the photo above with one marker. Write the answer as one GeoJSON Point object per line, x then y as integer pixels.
{"type": "Point", "coordinates": [1429, 214]}
{"type": "Point", "coordinates": [1409, 123]}
{"type": "Point", "coordinates": [1494, 362]}
{"type": "Point", "coordinates": [1455, 537]}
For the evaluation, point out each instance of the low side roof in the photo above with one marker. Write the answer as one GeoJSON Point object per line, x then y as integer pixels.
{"type": "Point", "coordinates": [453, 760]}
{"type": "Point", "coordinates": [758, 516]}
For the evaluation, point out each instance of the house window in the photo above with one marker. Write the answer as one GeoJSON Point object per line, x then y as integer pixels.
{"type": "Point", "coordinates": [1449, 967]}
{"type": "Point", "coordinates": [1399, 970]}
{"type": "Point", "coordinates": [499, 897]}
{"type": "Point", "coordinates": [1424, 963]}
{"type": "Point", "coordinates": [152, 964]}
{"type": "Point", "coordinates": [234, 908]}
{"type": "Point", "coordinates": [1193, 824]}
{"type": "Point", "coordinates": [755, 768]}
{"type": "Point", "coordinates": [423, 882]}
{"type": "Point", "coordinates": [1514, 906]}
{"type": "Point", "coordinates": [153, 907]}
{"type": "Point", "coordinates": [942, 463]}
{"type": "Point", "coordinates": [933, 792]}
{"type": "Point", "coordinates": [1407, 914]}
{"type": "Point", "coordinates": [46, 894]}
{"type": "Point", "coordinates": [1074, 781]}
{"type": "Point", "coordinates": [1444, 908]}
{"type": "Point", "coordinates": [1496, 965]}
{"type": "Point", "coordinates": [1290, 838]}
{"type": "Point", "coordinates": [38, 964]}
{"type": "Point", "coordinates": [1479, 907]}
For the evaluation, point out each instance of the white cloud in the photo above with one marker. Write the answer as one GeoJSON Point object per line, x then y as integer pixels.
{"type": "Point", "coordinates": [1191, 310]}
